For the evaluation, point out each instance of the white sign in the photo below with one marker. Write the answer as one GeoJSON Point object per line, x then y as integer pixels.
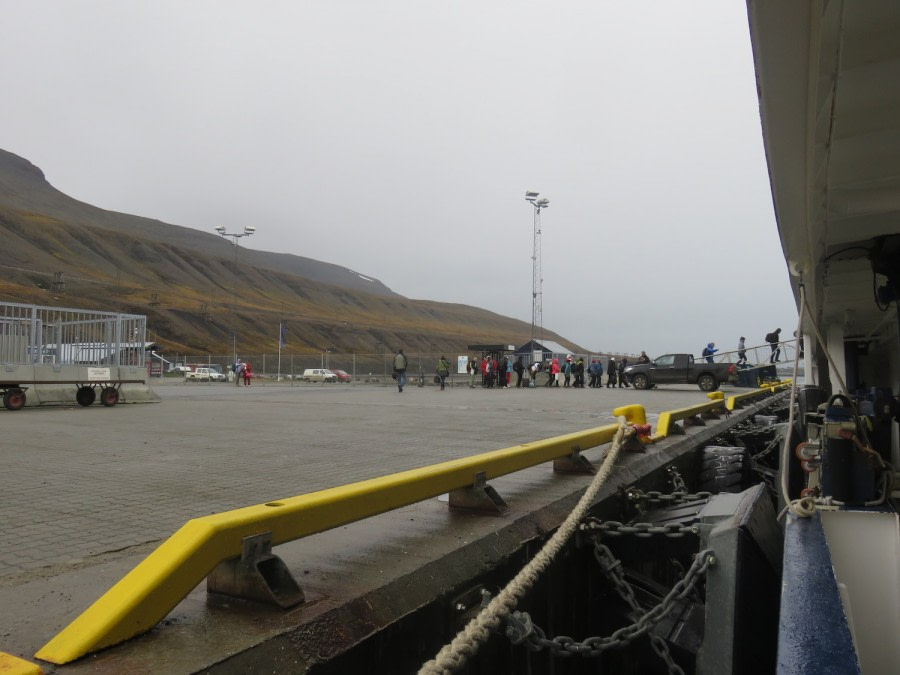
{"type": "Point", "coordinates": [98, 374]}
{"type": "Point", "coordinates": [461, 363]}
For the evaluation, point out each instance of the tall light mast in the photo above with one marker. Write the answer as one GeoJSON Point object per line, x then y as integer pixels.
{"type": "Point", "coordinates": [537, 313]}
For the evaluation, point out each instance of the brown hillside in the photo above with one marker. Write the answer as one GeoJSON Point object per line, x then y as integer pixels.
{"type": "Point", "coordinates": [59, 251]}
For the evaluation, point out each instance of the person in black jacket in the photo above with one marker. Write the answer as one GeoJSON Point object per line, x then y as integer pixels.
{"type": "Point", "coordinates": [623, 381]}
{"type": "Point", "coordinates": [611, 373]}
{"type": "Point", "coordinates": [774, 338]}
{"type": "Point", "coordinates": [519, 368]}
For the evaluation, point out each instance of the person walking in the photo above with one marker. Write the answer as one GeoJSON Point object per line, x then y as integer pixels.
{"type": "Point", "coordinates": [238, 369]}
{"type": "Point", "coordinates": [507, 372]}
{"type": "Point", "coordinates": [400, 364]}
{"type": "Point", "coordinates": [594, 371]}
{"type": "Point", "coordinates": [443, 370]}
{"type": "Point", "coordinates": [567, 371]}
{"type": "Point", "coordinates": [473, 372]}
{"type": "Point", "coordinates": [519, 369]}
{"type": "Point", "coordinates": [742, 351]}
{"type": "Point", "coordinates": [247, 372]}
{"type": "Point", "coordinates": [620, 370]}
{"type": "Point", "coordinates": [611, 373]}
{"type": "Point", "coordinates": [774, 338]}
{"type": "Point", "coordinates": [579, 373]}
{"type": "Point", "coordinates": [708, 352]}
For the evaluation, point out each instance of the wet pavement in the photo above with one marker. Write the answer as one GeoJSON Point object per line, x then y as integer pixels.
{"type": "Point", "coordinates": [88, 492]}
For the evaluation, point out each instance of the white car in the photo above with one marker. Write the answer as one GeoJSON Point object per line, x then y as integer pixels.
{"type": "Point", "coordinates": [204, 375]}
{"type": "Point", "coordinates": [319, 375]}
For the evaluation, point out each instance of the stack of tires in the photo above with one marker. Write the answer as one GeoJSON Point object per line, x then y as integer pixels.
{"type": "Point", "coordinates": [723, 469]}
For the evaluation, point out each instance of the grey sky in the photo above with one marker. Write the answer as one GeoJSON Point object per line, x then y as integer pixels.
{"type": "Point", "coordinates": [398, 139]}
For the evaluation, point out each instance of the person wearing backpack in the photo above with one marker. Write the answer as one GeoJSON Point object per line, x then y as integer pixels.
{"type": "Point", "coordinates": [443, 370]}
{"type": "Point", "coordinates": [774, 338]}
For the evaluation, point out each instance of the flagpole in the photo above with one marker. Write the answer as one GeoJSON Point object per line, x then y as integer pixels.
{"type": "Point", "coordinates": [280, 338]}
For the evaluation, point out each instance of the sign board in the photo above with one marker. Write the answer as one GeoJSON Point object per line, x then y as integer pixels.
{"type": "Point", "coordinates": [98, 375]}
{"type": "Point", "coordinates": [461, 363]}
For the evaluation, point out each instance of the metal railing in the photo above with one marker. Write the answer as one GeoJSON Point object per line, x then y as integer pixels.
{"type": "Point", "coordinates": [35, 334]}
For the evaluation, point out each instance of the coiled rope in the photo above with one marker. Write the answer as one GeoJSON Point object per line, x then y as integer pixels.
{"type": "Point", "coordinates": [467, 642]}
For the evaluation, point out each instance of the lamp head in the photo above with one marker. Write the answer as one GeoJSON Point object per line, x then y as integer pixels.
{"type": "Point", "coordinates": [531, 195]}
{"type": "Point", "coordinates": [249, 229]}
{"type": "Point", "coordinates": [542, 203]}
{"type": "Point", "coordinates": [220, 229]}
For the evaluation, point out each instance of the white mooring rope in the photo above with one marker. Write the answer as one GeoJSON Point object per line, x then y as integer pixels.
{"type": "Point", "coordinates": [466, 643]}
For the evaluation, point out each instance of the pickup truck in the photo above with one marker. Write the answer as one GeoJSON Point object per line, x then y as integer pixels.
{"type": "Point", "coordinates": [679, 369]}
{"type": "Point", "coordinates": [204, 375]}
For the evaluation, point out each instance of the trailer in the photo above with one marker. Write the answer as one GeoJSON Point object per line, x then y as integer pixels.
{"type": "Point", "coordinates": [13, 391]}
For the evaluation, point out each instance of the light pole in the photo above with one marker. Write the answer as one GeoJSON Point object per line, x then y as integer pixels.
{"type": "Point", "coordinates": [537, 313]}
{"type": "Point", "coordinates": [248, 231]}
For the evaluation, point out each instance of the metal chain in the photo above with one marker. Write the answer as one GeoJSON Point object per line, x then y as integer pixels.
{"type": "Point", "coordinates": [678, 495]}
{"type": "Point", "coordinates": [521, 630]}
{"type": "Point", "coordinates": [677, 480]}
{"type": "Point", "coordinates": [614, 528]}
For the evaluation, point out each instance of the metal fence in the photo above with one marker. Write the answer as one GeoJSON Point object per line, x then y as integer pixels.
{"type": "Point", "coordinates": [34, 334]}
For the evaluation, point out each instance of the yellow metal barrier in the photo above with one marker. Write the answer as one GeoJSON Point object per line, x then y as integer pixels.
{"type": "Point", "coordinates": [152, 589]}
{"type": "Point", "coordinates": [12, 665]}
{"type": "Point", "coordinates": [668, 419]}
{"type": "Point", "coordinates": [736, 401]}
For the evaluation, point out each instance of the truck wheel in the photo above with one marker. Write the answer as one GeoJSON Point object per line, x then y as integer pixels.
{"type": "Point", "coordinates": [707, 382]}
{"type": "Point", "coordinates": [640, 381]}
{"type": "Point", "coordinates": [109, 397]}
{"type": "Point", "coordinates": [85, 396]}
{"type": "Point", "coordinates": [14, 399]}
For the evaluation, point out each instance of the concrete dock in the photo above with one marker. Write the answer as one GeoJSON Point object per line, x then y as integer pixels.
{"type": "Point", "coordinates": [87, 493]}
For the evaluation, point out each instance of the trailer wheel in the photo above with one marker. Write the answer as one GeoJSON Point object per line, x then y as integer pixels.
{"type": "Point", "coordinates": [85, 396]}
{"type": "Point", "coordinates": [14, 399]}
{"type": "Point", "coordinates": [640, 381]}
{"type": "Point", "coordinates": [109, 396]}
{"type": "Point", "coordinates": [707, 382]}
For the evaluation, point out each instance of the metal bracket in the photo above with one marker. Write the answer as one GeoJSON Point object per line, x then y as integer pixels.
{"type": "Point", "coordinates": [574, 463]}
{"type": "Point", "coordinates": [676, 430]}
{"type": "Point", "coordinates": [694, 421]}
{"type": "Point", "coordinates": [710, 415]}
{"type": "Point", "coordinates": [257, 575]}
{"type": "Point", "coordinates": [480, 498]}
{"type": "Point", "coordinates": [634, 445]}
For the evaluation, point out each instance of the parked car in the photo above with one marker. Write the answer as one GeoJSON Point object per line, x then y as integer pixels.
{"type": "Point", "coordinates": [679, 369]}
{"type": "Point", "coordinates": [342, 375]}
{"type": "Point", "coordinates": [204, 375]}
{"type": "Point", "coordinates": [319, 375]}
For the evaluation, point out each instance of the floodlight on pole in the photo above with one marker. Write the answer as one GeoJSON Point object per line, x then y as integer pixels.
{"type": "Point", "coordinates": [537, 318]}
{"type": "Point", "coordinates": [235, 236]}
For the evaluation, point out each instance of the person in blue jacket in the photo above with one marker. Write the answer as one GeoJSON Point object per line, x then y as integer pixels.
{"type": "Point", "coordinates": [708, 352]}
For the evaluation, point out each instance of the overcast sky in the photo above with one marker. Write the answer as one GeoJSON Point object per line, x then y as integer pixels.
{"type": "Point", "coordinates": [398, 139]}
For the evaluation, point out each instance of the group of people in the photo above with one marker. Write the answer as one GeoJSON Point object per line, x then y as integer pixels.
{"type": "Point", "coordinates": [494, 371]}
{"type": "Point", "coordinates": [773, 338]}
{"type": "Point", "coordinates": [243, 372]}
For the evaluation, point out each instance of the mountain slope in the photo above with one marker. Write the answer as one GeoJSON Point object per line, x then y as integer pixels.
{"type": "Point", "coordinates": [57, 250]}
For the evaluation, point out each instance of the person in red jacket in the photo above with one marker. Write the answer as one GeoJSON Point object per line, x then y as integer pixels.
{"type": "Point", "coordinates": [248, 373]}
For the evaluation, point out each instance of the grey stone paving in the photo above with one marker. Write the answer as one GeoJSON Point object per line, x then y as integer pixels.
{"type": "Point", "coordinates": [78, 483]}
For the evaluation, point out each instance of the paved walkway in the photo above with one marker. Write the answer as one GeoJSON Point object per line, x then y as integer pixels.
{"type": "Point", "coordinates": [86, 488]}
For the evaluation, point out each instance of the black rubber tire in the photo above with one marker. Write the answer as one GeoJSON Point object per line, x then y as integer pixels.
{"type": "Point", "coordinates": [109, 396]}
{"type": "Point", "coordinates": [640, 381]}
{"type": "Point", "coordinates": [14, 399]}
{"type": "Point", "coordinates": [707, 382]}
{"type": "Point", "coordinates": [85, 396]}
{"type": "Point", "coordinates": [723, 469]}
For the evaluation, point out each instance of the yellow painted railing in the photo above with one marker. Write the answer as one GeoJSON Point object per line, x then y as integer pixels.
{"type": "Point", "coordinates": [735, 402]}
{"type": "Point", "coordinates": [152, 589]}
{"type": "Point", "coordinates": [668, 419]}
